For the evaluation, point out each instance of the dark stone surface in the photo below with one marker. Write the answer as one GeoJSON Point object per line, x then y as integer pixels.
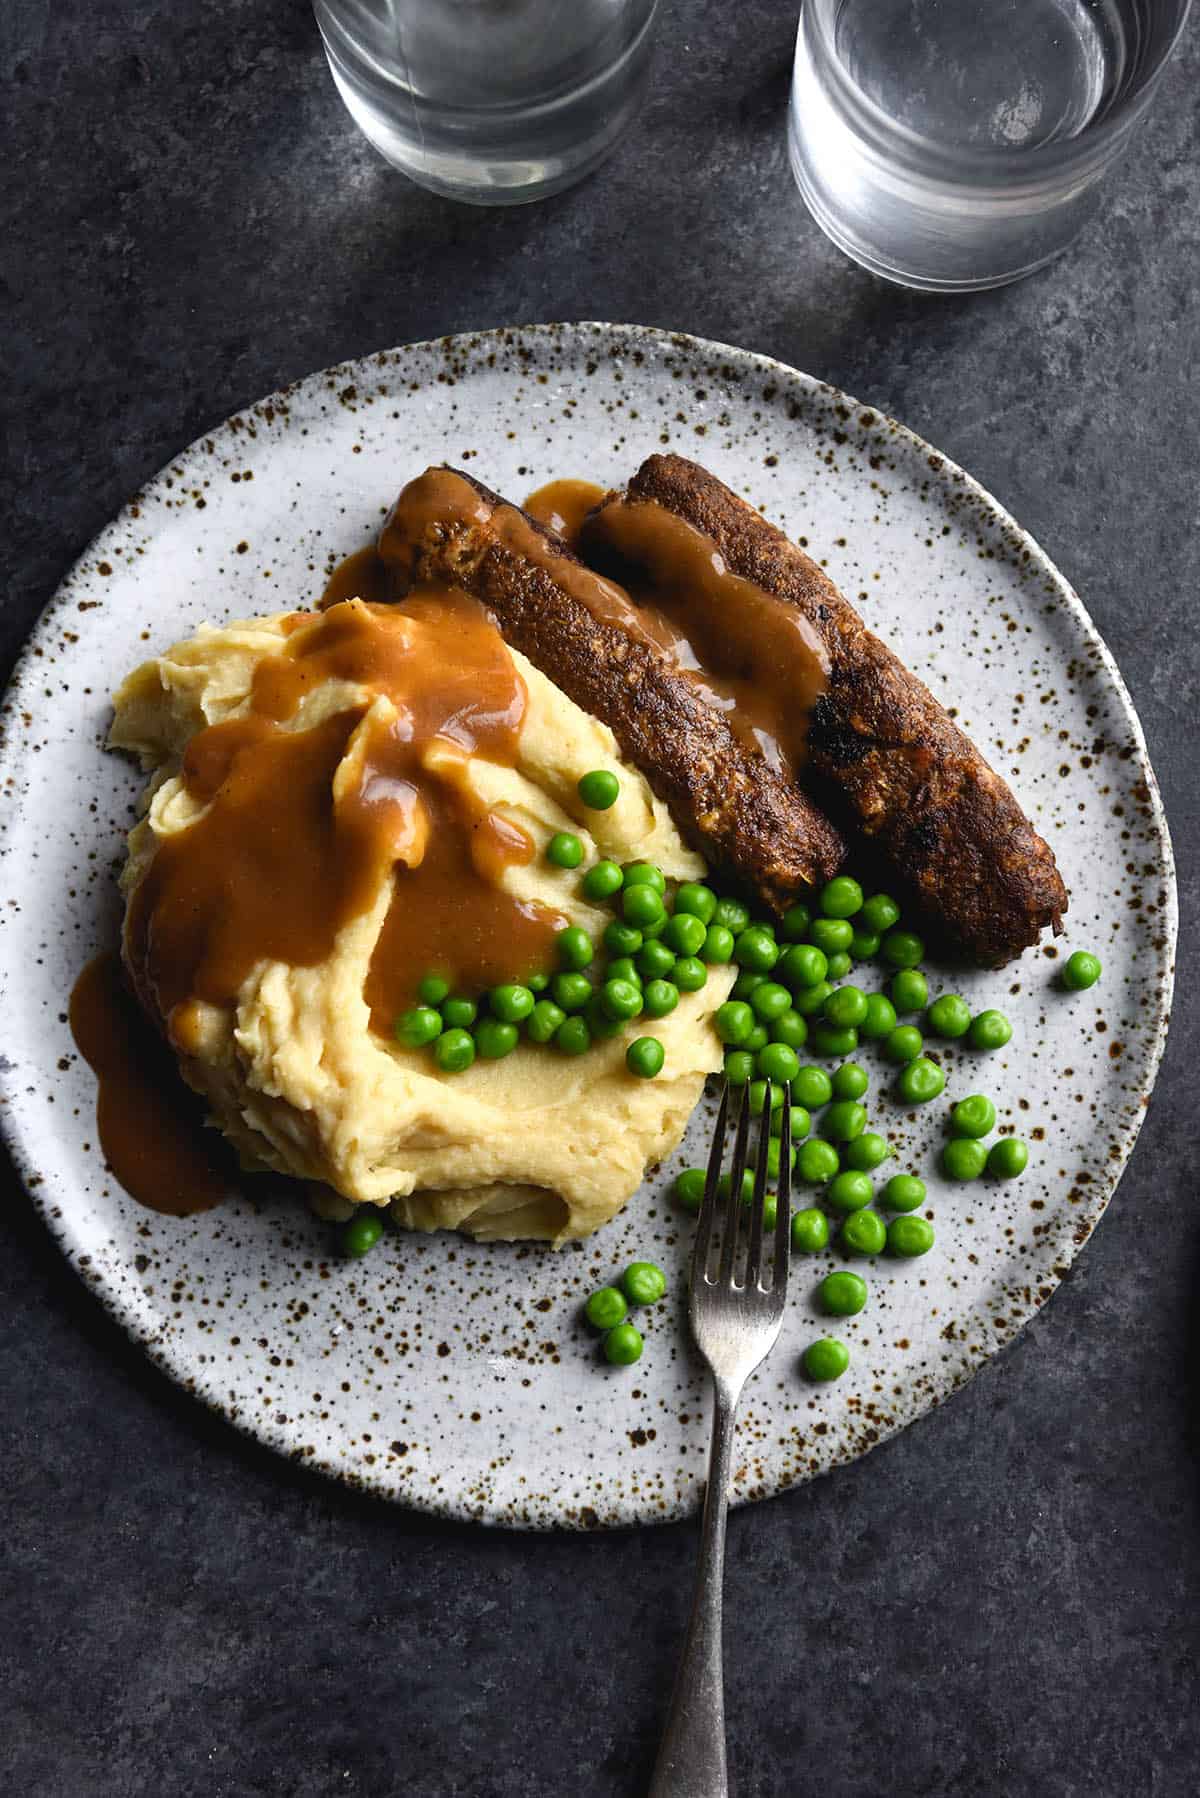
{"type": "Point", "coordinates": [1002, 1601]}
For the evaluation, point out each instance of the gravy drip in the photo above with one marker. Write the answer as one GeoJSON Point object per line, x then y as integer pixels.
{"type": "Point", "coordinates": [150, 1125]}
{"type": "Point", "coordinates": [294, 846]}
{"type": "Point", "coordinates": [563, 505]}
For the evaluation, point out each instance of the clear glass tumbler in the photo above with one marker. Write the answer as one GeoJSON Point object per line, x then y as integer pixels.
{"type": "Point", "coordinates": [956, 144]}
{"type": "Point", "coordinates": [491, 101]}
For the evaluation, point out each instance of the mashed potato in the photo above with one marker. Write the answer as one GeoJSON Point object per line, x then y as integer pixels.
{"type": "Point", "coordinates": [535, 1145]}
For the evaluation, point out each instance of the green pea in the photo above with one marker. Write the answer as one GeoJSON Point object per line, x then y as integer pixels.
{"type": "Point", "coordinates": [746, 984]}
{"type": "Point", "coordinates": [817, 1161]}
{"type": "Point", "coordinates": [755, 950]}
{"type": "Point", "coordinates": [921, 1080]}
{"type": "Point", "coordinates": [571, 991]}
{"type": "Point", "coordinates": [454, 1051]}
{"type": "Point", "coordinates": [909, 990]}
{"type": "Point", "coordinates": [775, 1157]}
{"type": "Point", "coordinates": [1008, 1158]}
{"type": "Point", "coordinates": [843, 1294]}
{"type": "Point", "coordinates": [863, 1233]}
{"type": "Point", "coordinates": [601, 1023]}
{"type": "Point", "coordinates": [655, 961]}
{"type": "Point", "coordinates": [964, 1158]}
{"type": "Point", "coordinates": [758, 1093]}
{"type": "Point", "coordinates": [844, 1120]}
{"type": "Point", "coordinates": [623, 1346]}
{"type": "Point", "coordinates": [621, 999]}
{"type": "Point", "coordinates": [990, 1030]}
{"type": "Point", "coordinates": [879, 913]}
{"type": "Point", "coordinates": [825, 1040]}
{"type": "Point", "coordinates": [948, 1016]}
{"type": "Point", "coordinates": [841, 897]}
{"type": "Point", "coordinates": [361, 1233]}
{"type": "Point", "coordinates": [574, 947]}
{"type": "Point", "coordinates": [602, 881]}
{"type": "Point", "coordinates": [845, 1008]}
{"type": "Point", "coordinates": [739, 1067]}
{"type": "Point", "coordinates": [606, 1308]}
{"type": "Point", "coordinates": [718, 944]}
{"type": "Point", "coordinates": [697, 900]}
{"type": "Point", "coordinates": [809, 1000]}
{"type": "Point", "coordinates": [903, 1192]}
{"type": "Point", "coordinates": [512, 1004]}
{"type": "Point", "coordinates": [459, 1014]}
{"type": "Point", "coordinates": [733, 1021]}
{"type": "Point", "coordinates": [598, 789]}
{"type": "Point", "coordinates": [573, 1037]}
{"type": "Point", "coordinates": [725, 1187]}
{"type": "Point", "coordinates": [902, 949]}
{"type": "Point", "coordinates": [1080, 971]}
{"type": "Point", "coordinates": [800, 1121]}
{"type": "Point", "coordinates": [796, 920]}
{"type": "Point", "coordinates": [849, 1081]}
{"type": "Point", "coordinates": [732, 914]}
{"type": "Point", "coordinates": [643, 1283]}
{"type": "Point", "coordinates": [758, 1038]}
{"type": "Point", "coordinates": [689, 974]}
{"type": "Point", "coordinates": [880, 1020]}
{"type": "Point", "coordinates": [661, 997]}
{"type": "Point", "coordinates": [770, 1001]}
{"type": "Point", "coordinates": [903, 1044]}
{"type": "Point", "coordinates": [810, 1231]}
{"type": "Point", "coordinates": [419, 1026]}
{"type": "Point", "coordinates": [645, 874]}
{"type": "Point", "coordinates": [537, 983]}
{"type": "Point", "coordinates": [564, 849]}
{"type": "Point", "coordinates": [544, 1020]}
{"type": "Point", "coordinates": [495, 1039]}
{"type": "Point", "coordinates": [838, 964]}
{"type": "Point", "coordinates": [825, 1359]}
{"type": "Point", "coordinates": [622, 939]}
{"type": "Point", "coordinates": [802, 965]}
{"type": "Point", "coordinates": [684, 934]}
{"type": "Point", "coordinates": [973, 1116]}
{"type": "Point", "coordinates": [864, 944]}
{"type": "Point", "coordinates": [831, 935]}
{"type": "Point", "coordinates": [432, 989]}
{"type": "Point", "coordinates": [624, 968]}
{"type": "Point", "coordinates": [689, 1188]}
{"type": "Point", "coordinates": [812, 1087]}
{"type": "Point", "coordinates": [850, 1191]}
{"type": "Point", "coordinates": [640, 904]}
{"type": "Point", "coordinates": [867, 1152]}
{"type": "Point", "coordinates": [790, 1028]}
{"type": "Point", "coordinates": [645, 1056]}
{"type": "Point", "coordinates": [651, 932]}
{"type": "Point", "coordinates": [778, 1062]}
{"type": "Point", "coordinates": [909, 1237]}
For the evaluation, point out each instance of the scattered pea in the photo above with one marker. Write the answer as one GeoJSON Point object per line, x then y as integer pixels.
{"type": "Point", "coordinates": [849, 1081]}
{"type": "Point", "coordinates": [755, 950]}
{"type": "Point", "coordinates": [574, 947]}
{"type": "Point", "coordinates": [418, 1027]}
{"type": "Point", "coordinates": [921, 1080]}
{"type": "Point", "coordinates": [770, 1001]}
{"type": "Point", "coordinates": [948, 1016]}
{"type": "Point", "coordinates": [655, 960]}
{"type": "Point", "coordinates": [867, 1152]}
{"type": "Point", "coordinates": [660, 998]}
{"type": "Point", "coordinates": [879, 913]}
{"type": "Point", "coordinates": [841, 897]}
{"type": "Point", "coordinates": [964, 1158]}
{"type": "Point", "coordinates": [843, 1294]}
{"type": "Point", "coordinates": [990, 1030]}
{"type": "Point", "coordinates": [801, 1123]}
{"type": "Point", "coordinates": [732, 914]}
{"type": "Point", "coordinates": [725, 1186]}
{"type": "Point", "coordinates": [825, 1359]}
{"type": "Point", "coordinates": [718, 944]}
{"type": "Point", "coordinates": [817, 1161]}
{"type": "Point", "coordinates": [831, 934]}
{"type": "Point", "coordinates": [432, 989]}
{"type": "Point", "coordinates": [600, 1022]}
{"type": "Point", "coordinates": [684, 933]}
{"type": "Point", "coordinates": [621, 999]}
{"type": "Point", "coordinates": [645, 874]}
{"type": "Point", "coordinates": [845, 1008]}
{"type": "Point", "coordinates": [775, 1158]}
{"type": "Point", "coordinates": [789, 1028]}
{"type": "Point", "coordinates": [880, 1020]}
{"type": "Point", "coordinates": [746, 984]}
{"type": "Point", "coordinates": [850, 1191]}
{"type": "Point", "coordinates": [812, 1087]}
{"type": "Point", "coordinates": [571, 991]}
{"type": "Point", "coordinates": [689, 974]}
{"type": "Point", "coordinates": [838, 964]}
{"type": "Point", "coordinates": [361, 1233]}
{"type": "Point", "coordinates": [645, 1057]}
{"type": "Point", "coordinates": [808, 1000]}
{"type": "Point", "coordinates": [909, 1237]}
{"type": "Point", "coordinates": [623, 1345]}
{"type": "Point", "coordinates": [689, 1188]}
{"type": "Point", "coordinates": [602, 881]}
{"type": "Point", "coordinates": [544, 1020]}
{"type": "Point", "coordinates": [903, 1044]}
{"type": "Point", "coordinates": [909, 990]}
{"type": "Point", "coordinates": [494, 1039]}
{"type": "Point", "coordinates": [802, 965]}
{"type": "Point", "coordinates": [697, 900]}
{"type": "Point", "coordinates": [512, 1004]}
{"type": "Point", "coordinates": [643, 1283]}
{"type": "Point", "coordinates": [758, 1038]}
{"type": "Point", "coordinates": [825, 1040]}
{"type": "Point", "coordinates": [903, 1192]}
{"type": "Point", "coordinates": [739, 1066]}
{"type": "Point", "coordinates": [1008, 1158]}
{"type": "Point", "coordinates": [796, 920]}
{"type": "Point", "coordinates": [606, 1308]}
{"type": "Point", "coordinates": [624, 968]}
{"type": "Point", "coordinates": [641, 904]}
{"type": "Point", "coordinates": [598, 789]}
{"type": "Point", "coordinates": [454, 1051]}
{"type": "Point", "coordinates": [564, 849]}
{"type": "Point", "coordinates": [1080, 971]}
{"type": "Point", "coordinates": [844, 1120]}
{"type": "Point", "coordinates": [573, 1036]}
{"type": "Point", "coordinates": [459, 1014]}
{"type": "Point", "coordinates": [902, 949]}
{"type": "Point", "coordinates": [777, 1062]}
{"type": "Point", "coordinates": [864, 944]}
{"type": "Point", "coordinates": [622, 939]}
{"type": "Point", "coordinates": [537, 983]}
{"type": "Point", "coordinates": [973, 1116]}
{"type": "Point", "coordinates": [863, 1233]}
{"type": "Point", "coordinates": [758, 1093]}
{"type": "Point", "coordinates": [810, 1231]}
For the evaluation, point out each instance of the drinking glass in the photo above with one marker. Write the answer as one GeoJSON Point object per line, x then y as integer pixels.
{"type": "Point", "coordinates": [491, 101]}
{"type": "Point", "coordinates": [957, 144]}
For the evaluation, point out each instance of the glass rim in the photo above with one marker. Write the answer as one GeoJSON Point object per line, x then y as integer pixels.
{"type": "Point", "coordinates": [965, 165]}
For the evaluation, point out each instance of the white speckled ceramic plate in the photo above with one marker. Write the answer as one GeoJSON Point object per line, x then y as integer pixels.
{"type": "Point", "coordinates": [459, 1378]}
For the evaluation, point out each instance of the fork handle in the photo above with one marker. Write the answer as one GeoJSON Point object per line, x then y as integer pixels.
{"type": "Point", "coordinates": [691, 1760]}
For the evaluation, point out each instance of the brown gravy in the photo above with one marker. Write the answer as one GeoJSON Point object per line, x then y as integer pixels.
{"type": "Point", "coordinates": [361, 575]}
{"type": "Point", "coordinates": [563, 505]}
{"type": "Point", "coordinates": [285, 855]}
{"type": "Point", "coordinates": [150, 1124]}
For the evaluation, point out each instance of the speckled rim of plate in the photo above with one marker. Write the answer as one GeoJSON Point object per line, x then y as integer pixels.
{"type": "Point", "coordinates": [760, 1477]}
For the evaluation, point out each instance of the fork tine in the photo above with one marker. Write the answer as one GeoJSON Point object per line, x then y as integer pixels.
{"type": "Point", "coordinates": [708, 1205]}
{"type": "Point", "coordinates": [730, 1237]}
{"type": "Point", "coordinates": [783, 1201]}
{"type": "Point", "coordinates": [754, 1252]}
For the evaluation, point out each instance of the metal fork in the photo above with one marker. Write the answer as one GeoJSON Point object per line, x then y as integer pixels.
{"type": "Point", "coordinates": [736, 1325]}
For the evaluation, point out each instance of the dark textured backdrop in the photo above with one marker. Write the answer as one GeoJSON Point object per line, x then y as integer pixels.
{"type": "Point", "coordinates": [1006, 1599]}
